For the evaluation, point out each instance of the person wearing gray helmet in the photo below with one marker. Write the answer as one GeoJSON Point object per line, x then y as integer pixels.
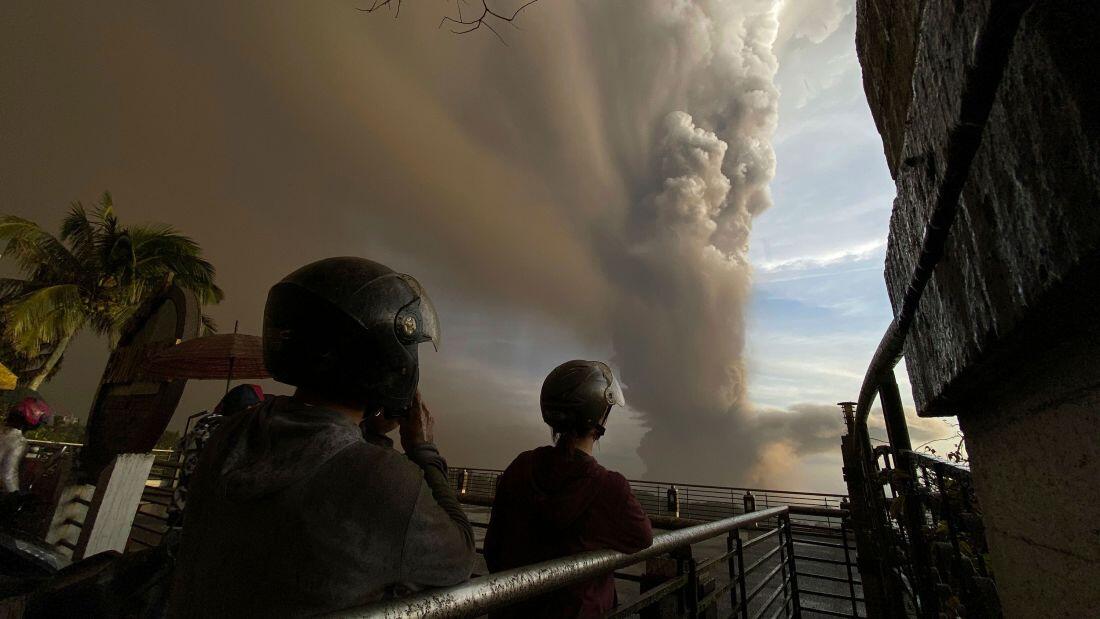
{"type": "Point", "coordinates": [292, 510]}
{"type": "Point", "coordinates": [563, 494]}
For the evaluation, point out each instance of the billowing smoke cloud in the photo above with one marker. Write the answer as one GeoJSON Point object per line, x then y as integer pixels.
{"type": "Point", "coordinates": [812, 20]}
{"type": "Point", "coordinates": [599, 175]}
{"type": "Point", "coordinates": [682, 271]}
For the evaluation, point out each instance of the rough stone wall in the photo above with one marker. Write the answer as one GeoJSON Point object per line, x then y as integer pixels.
{"type": "Point", "coordinates": [888, 65]}
{"type": "Point", "coordinates": [1008, 331]}
{"type": "Point", "coordinates": [1028, 220]}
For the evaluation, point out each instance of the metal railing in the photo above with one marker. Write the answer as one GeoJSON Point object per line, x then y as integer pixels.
{"type": "Point", "coordinates": [945, 547]}
{"type": "Point", "coordinates": [685, 589]}
{"type": "Point", "coordinates": [150, 521]}
{"type": "Point", "coordinates": [820, 529]}
{"type": "Point", "coordinates": [812, 530]}
{"type": "Point", "coordinates": [690, 501]}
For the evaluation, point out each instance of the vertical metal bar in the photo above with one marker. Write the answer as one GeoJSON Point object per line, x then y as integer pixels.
{"type": "Point", "coordinates": [693, 588]}
{"type": "Point", "coordinates": [784, 530]}
{"type": "Point", "coordinates": [848, 564]}
{"type": "Point", "coordinates": [741, 578]}
{"type": "Point", "coordinates": [731, 563]}
{"type": "Point", "coordinates": [797, 605]}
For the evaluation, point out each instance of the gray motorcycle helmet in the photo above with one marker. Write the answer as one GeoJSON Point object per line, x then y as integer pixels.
{"type": "Point", "coordinates": [350, 327]}
{"type": "Point", "coordinates": [577, 397]}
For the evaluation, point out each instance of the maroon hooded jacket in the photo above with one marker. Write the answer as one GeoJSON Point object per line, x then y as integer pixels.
{"type": "Point", "coordinates": [552, 502]}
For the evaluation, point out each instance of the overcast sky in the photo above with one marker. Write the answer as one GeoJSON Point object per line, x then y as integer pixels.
{"type": "Point", "coordinates": [586, 191]}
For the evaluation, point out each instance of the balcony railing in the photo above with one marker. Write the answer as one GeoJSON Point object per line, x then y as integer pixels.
{"type": "Point", "coordinates": [775, 594]}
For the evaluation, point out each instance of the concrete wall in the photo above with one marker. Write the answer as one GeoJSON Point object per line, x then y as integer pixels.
{"type": "Point", "coordinates": [1008, 332]}
{"type": "Point", "coordinates": [1035, 455]}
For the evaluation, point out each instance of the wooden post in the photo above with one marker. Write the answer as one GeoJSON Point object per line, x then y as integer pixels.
{"type": "Point", "coordinates": [113, 506]}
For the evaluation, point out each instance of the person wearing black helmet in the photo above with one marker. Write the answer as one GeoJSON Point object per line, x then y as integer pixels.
{"type": "Point", "coordinates": [292, 510]}
{"type": "Point", "coordinates": [570, 502]}
{"type": "Point", "coordinates": [190, 447]}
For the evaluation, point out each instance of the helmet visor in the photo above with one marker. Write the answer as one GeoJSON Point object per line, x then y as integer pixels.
{"type": "Point", "coordinates": [614, 392]}
{"type": "Point", "coordinates": [428, 330]}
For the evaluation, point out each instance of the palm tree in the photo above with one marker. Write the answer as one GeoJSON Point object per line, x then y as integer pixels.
{"type": "Point", "coordinates": [95, 275]}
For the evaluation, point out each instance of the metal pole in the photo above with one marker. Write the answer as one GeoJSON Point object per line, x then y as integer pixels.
{"type": "Point", "coordinates": [897, 430]}
{"type": "Point", "coordinates": [797, 606]}
{"type": "Point", "coordinates": [741, 577]}
{"type": "Point", "coordinates": [784, 531]}
{"type": "Point", "coordinates": [848, 564]}
{"type": "Point", "coordinates": [692, 586]}
{"type": "Point", "coordinates": [732, 564]}
{"type": "Point", "coordinates": [229, 377]}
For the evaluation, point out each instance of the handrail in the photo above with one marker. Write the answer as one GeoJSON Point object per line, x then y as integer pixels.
{"type": "Point", "coordinates": [479, 596]}
{"type": "Point", "coordinates": [38, 441]}
{"type": "Point", "coordinates": [687, 485]}
{"type": "Point", "coordinates": [925, 459]}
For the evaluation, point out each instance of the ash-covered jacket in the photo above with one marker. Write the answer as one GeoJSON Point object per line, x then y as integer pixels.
{"type": "Point", "coordinates": [291, 513]}
{"type": "Point", "coordinates": [552, 502]}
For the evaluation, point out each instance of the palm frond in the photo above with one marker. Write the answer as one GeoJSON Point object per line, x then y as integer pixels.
{"type": "Point", "coordinates": [36, 250]}
{"type": "Point", "coordinates": [79, 231]}
{"type": "Point", "coordinates": [105, 215]}
{"type": "Point", "coordinates": [111, 323]}
{"type": "Point", "coordinates": [209, 326]}
{"type": "Point", "coordinates": [11, 288]}
{"type": "Point", "coordinates": [161, 251]}
{"type": "Point", "coordinates": [43, 316]}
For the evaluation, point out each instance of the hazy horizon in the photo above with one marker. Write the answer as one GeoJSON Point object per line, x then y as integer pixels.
{"type": "Point", "coordinates": [694, 192]}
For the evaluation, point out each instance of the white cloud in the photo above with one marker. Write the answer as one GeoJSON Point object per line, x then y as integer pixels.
{"type": "Point", "coordinates": [859, 253]}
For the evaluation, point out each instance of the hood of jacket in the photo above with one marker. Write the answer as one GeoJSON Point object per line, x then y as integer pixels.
{"type": "Point", "coordinates": [276, 444]}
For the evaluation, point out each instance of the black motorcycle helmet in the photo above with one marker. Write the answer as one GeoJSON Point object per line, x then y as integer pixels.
{"type": "Point", "coordinates": [577, 397]}
{"type": "Point", "coordinates": [349, 327]}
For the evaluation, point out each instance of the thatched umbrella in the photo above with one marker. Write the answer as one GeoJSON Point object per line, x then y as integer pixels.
{"type": "Point", "coordinates": [224, 356]}
{"type": "Point", "coordinates": [8, 379]}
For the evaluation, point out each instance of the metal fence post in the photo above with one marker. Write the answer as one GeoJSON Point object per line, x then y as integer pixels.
{"type": "Point", "coordinates": [848, 562]}
{"type": "Point", "coordinates": [796, 606]}
{"type": "Point", "coordinates": [741, 577]}
{"type": "Point", "coordinates": [786, 558]}
{"type": "Point", "coordinates": [692, 587]}
{"type": "Point", "coordinates": [732, 564]}
{"type": "Point", "coordinates": [689, 595]}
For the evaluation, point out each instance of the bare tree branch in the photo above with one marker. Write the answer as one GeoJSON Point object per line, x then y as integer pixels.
{"type": "Point", "coordinates": [463, 23]}
{"type": "Point", "coordinates": [957, 454]}
{"type": "Point", "coordinates": [378, 4]}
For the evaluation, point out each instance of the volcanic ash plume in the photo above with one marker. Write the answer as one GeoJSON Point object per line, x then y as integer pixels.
{"type": "Point", "coordinates": [679, 330]}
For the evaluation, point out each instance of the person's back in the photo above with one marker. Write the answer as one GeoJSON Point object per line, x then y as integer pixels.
{"type": "Point", "coordinates": [191, 445]}
{"type": "Point", "coordinates": [294, 510]}
{"type": "Point", "coordinates": [296, 513]}
{"type": "Point", "coordinates": [552, 502]}
{"type": "Point", "coordinates": [557, 501]}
